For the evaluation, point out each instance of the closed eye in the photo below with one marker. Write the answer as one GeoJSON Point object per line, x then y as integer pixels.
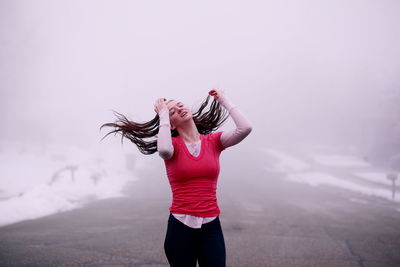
{"type": "Point", "coordinates": [172, 110]}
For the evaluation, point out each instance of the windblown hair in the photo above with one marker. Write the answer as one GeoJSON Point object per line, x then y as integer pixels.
{"type": "Point", "coordinates": [143, 135]}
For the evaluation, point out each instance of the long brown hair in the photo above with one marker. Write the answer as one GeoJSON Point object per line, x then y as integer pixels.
{"type": "Point", "coordinates": [143, 135]}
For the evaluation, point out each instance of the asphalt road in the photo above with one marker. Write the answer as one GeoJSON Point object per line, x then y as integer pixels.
{"type": "Point", "coordinates": [266, 222]}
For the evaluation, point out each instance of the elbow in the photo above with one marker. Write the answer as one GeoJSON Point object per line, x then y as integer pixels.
{"type": "Point", "coordinates": [165, 154]}
{"type": "Point", "coordinates": [247, 130]}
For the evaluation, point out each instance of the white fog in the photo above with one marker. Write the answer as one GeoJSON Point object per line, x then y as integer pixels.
{"type": "Point", "coordinates": [318, 80]}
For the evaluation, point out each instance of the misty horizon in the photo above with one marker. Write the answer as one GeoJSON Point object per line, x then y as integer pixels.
{"type": "Point", "coordinates": [300, 71]}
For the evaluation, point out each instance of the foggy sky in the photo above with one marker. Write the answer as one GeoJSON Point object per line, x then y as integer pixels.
{"type": "Point", "coordinates": [297, 69]}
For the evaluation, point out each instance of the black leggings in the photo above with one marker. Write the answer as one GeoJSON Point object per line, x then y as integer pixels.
{"type": "Point", "coordinates": [184, 245]}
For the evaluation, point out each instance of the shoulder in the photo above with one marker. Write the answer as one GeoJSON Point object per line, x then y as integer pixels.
{"type": "Point", "coordinates": [215, 138]}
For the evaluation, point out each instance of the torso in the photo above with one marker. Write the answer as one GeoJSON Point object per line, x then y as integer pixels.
{"type": "Point", "coordinates": [193, 172]}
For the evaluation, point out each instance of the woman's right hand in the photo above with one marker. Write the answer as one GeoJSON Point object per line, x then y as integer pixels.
{"type": "Point", "coordinates": [218, 95]}
{"type": "Point", "coordinates": [160, 104]}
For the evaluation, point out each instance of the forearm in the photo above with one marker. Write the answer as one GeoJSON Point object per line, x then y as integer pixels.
{"type": "Point", "coordinates": [164, 140]}
{"type": "Point", "coordinates": [243, 126]}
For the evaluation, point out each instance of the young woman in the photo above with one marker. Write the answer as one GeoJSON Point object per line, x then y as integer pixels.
{"type": "Point", "coordinates": [190, 148]}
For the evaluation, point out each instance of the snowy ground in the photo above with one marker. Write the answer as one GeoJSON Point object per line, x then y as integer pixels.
{"type": "Point", "coordinates": [339, 170]}
{"type": "Point", "coordinates": [38, 181]}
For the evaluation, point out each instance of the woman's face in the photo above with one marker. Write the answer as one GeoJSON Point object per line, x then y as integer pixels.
{"type": "Point", "coordinates": [178, 113]}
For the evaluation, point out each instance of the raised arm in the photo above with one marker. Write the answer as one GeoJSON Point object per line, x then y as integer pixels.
{"type": "Point", "coordinates": [243, 126]}
{"type": "Point", "coordinates": [164, 140]}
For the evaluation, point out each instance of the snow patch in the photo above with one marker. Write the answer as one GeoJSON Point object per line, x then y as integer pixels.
{"type": "Point", "coordinates": [286, 162]}
{"type": "Point", "coordinates": [339, 160]}
{"type": "Point", "coordinates": [376, 177]}
{"type": "Point", "coordinates": [37, 182]}
{"type": "Point", "coordinates": [320, 178]}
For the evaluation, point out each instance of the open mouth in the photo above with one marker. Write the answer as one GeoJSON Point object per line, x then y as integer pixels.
{"type": "Point", "coordinates": [183, 114]}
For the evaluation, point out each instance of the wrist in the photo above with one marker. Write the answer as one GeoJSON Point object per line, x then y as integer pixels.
{"type": "Point", "coordinates": [226, 103]}
{"type": "Point", "coordinates": [163, 112]}
{"type": "Point", "coordinates": [164, 117]}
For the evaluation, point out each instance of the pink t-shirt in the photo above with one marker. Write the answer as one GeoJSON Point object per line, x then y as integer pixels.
{"type": "Point", "coordinates": [193, 179]}
{"type": "Point", "coordinates": [166, 146]}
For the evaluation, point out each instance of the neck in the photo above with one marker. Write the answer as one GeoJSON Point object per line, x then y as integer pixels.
{"type": "Point", "coordinates": [188, 132]}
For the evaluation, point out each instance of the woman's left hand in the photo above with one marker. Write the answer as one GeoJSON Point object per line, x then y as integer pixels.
{"type": "Point", "coordinates": [217, 94]}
